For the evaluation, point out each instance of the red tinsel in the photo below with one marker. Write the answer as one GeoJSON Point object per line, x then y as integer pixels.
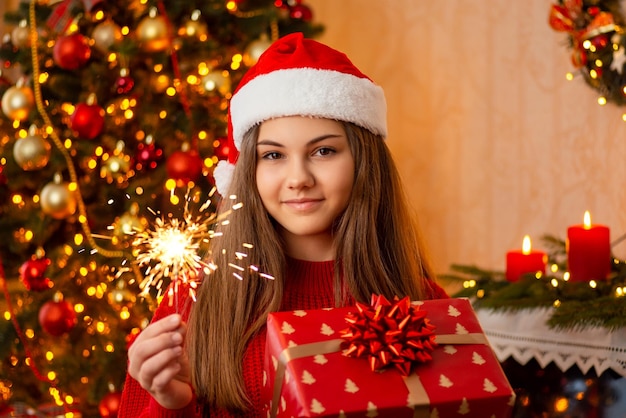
{"type": "Point", "coordinates": [389, 334]}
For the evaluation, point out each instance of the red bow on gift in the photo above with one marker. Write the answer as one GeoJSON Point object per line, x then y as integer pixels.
{"type": "Point", "coordinates": [397, 334]}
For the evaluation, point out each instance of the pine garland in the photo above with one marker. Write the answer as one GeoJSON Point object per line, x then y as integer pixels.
{"type": "Point", "coordinates": [576, 305]}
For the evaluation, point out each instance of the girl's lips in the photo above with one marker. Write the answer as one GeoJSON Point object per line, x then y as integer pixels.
{"type": "Point", "coordinates": [302, 204]}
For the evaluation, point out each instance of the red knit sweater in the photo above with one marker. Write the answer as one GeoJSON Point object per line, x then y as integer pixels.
{"type": "Point", "coordinates": [309, 285]}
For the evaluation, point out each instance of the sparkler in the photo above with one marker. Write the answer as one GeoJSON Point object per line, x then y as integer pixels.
{"type": "Point", "coordinates": [172, 250]}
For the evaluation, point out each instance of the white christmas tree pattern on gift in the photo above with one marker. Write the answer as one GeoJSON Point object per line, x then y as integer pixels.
{"type": "Point", "coordinates": [449, 349]}
{"type": "Point", "coordinates": [460, 329]}
{"type": "Point", "coordinates": [299, 313]}
{"type": "Point", "coordinates": [307, 378]}
{"type": "Point", "coordinates": [327, 330]}
{"type": "Point", "coordinates": [445, 382]}
{"type": "Point", "coordinates": [286, 328]}
{"type": "Point", "coordinates": [320, 359]}
{"type": "Point", "coordinates": [478, 359]}
{"type": "Point", "coordinates": [275, 363]}
{"type": "Point", "coordinates": [372, 410]}
{"type": "Point", "coordinates": [454, 312]}
{"type": "Point", "coordinates": [317, 407]}
{"type": "Point", "coordinates": [351, 387]}
{"type": "Point", "coordinates": [464, 408]}
{"type": "Point", "coordinates": [488, 386]}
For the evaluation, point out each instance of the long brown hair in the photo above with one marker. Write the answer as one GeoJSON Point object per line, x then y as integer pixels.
{"type": "Point", "coordinates": [378, 251]}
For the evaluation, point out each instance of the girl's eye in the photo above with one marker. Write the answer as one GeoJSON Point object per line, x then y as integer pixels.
{"type": "Point", "coordinates": [325, 151]}
{"type": "Point", "coordinates": [272, 155]}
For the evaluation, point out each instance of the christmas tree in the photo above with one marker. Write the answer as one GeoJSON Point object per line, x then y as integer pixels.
{"type": "Point", "coordinates": [113, 117]}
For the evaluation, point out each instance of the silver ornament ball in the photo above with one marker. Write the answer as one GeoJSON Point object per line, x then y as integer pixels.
{"type": "Point", "coordinates": [17, 102]}
{"type": "Point", "coordinates": [105, 35]}
{"type": "Point", "coordinates": [57, 200]}
{"type": "Point", "coordinates": [32, 152]}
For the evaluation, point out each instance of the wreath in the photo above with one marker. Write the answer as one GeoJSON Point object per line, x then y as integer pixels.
{"type": "Point", "coordinates": [597, 40]}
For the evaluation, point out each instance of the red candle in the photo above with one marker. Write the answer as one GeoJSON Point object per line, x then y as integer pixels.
{"type": "Point", "coordinates": [588, 251]}
{"type": "Point", "coordinates": [519, 262]}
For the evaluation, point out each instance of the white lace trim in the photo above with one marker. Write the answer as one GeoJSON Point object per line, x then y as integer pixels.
{"type": "Point", "coordinates": [524, 335]}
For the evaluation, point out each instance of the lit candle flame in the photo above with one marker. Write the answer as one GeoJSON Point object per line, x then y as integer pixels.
{"type": "Point", "coordinates": [526, 245]}
{"type": "Point", "coordinates": [587, 220]}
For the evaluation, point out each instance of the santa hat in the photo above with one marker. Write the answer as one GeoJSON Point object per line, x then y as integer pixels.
{"type": "Point", "coordinates": [300, 76]}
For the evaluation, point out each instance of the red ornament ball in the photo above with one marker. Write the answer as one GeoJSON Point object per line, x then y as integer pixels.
{"type": "Point", "coordinates": [33, 274]}
{"type": "Point", "coordinates": [222, 149]}
{"type": "Point", "coordinates": [57, 318]}
{"type": "Point", "coordinates": [87, 120]}
{"type": "Point", "coordinates": [71, 52]}
{"type": "Point", "coordinates": [124, 84]}
{"type": "Point", "coordinates": [109, 405]}
{"type": "Point", "coordinates": [147, 156]}
{"type": "Point", "coordinates": [601, 41]}
{"type": "Point", "coordinates": [593, 10]}
{"type": "Point", "coordinates": [184, 166]}
{"type": "Point", "coordinates": [285, 4]}
{"type": "Point", "coordinates": [302, 12]}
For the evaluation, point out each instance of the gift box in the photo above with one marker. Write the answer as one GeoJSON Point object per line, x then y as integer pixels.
{"type": "Point", "coordinates": [308, 372]}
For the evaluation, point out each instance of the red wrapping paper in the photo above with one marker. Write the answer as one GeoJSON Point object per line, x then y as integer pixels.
{"type": "Point", "coordinates": [308, 375]}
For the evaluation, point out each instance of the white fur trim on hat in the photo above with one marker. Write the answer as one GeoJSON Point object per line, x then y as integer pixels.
{"type": "Point", "coordinates": [223, 175]}
{"type": "Point", "coordinates": [308, 92]}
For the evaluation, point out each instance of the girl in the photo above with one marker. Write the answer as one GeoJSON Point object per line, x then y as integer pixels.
{"type": "Point", "coordinates": [324, 212]}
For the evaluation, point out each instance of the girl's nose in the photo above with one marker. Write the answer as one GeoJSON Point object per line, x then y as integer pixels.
{"type": "Point", "coordinates": [299, 174]}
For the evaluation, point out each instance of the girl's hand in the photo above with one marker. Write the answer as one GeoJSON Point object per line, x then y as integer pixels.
{"type": "Point", "coordinates": [157, 360]}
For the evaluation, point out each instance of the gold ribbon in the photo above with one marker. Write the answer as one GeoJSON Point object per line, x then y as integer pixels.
{"type": "Point", "coordinates": [417, 393]}
{"type": "Point", "coordinates": [473, 338]}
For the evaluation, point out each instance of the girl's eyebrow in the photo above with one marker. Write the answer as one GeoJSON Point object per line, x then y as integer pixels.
{"type": "Point", "coordinates": [311, 142]}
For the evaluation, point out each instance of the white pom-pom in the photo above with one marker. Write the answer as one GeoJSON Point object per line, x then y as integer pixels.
{"type": "Point", "coordinates": [223, 175]}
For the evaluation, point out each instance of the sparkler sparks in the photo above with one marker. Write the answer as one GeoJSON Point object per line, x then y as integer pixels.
{"type": "Point", "coordinates": [172, 250]}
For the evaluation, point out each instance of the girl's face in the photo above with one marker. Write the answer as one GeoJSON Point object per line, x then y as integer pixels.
{"type": "Point", "coordinates": [304, 175]}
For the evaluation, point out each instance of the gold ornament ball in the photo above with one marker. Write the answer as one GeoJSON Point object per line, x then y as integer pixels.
{"type": "Point", "coordinates": [128, 224]}
{"type": "Point", "coordinates": [216, 81]}
{"type": "Point", "coordinates": [17, 102]}
{"type": "Point", "coordinates": [254, 50]}
{"type": "Point", "coordinates": [115, 168]}
{"type": "Point", "coordinates": [121, 296]}
{"type": "Point", "coordinates": [32, 152]}
{"type": "Point", "coordinates": [6, 393]}
{"type": "Point", "coordinates": [105, 35]}
{"type": "Point", "coordinates": [20, 36]}
{"type": "Point", "coordinates": [57, 200]}
{"type": "Point", "coordinates": [160, 82]}
{"type": "Point", "coordinates": [194, 29]}
{"type": "Point", "coordinates": [152, 34]}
